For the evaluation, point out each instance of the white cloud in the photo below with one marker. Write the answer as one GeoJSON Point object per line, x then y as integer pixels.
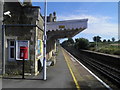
{"type": "Point", "coordinates": [99, 25]}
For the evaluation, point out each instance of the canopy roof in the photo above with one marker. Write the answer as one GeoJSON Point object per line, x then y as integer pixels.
{"type": "Point", "coordinates": [65, 29]}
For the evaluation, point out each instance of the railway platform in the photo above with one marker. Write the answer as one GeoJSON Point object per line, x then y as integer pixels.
{"type": "Point", "coordinates": [68, 73]}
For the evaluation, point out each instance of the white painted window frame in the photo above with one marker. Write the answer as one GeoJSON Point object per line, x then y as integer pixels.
{"type": "Point", "coordinates": [11, 59]}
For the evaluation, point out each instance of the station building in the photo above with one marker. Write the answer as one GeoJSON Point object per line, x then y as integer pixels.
{"type": "Point", "coordinates": [25, 28]}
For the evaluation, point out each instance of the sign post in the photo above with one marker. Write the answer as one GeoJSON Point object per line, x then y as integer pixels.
{"type": "Point", "coordinates": [23, 68]}
{"type": "Point", "coordinates": [23, 55]}
{"type": "Point", "coordinates": [3, 49]}
{"type": "Point", "coordinates": [22, 52]}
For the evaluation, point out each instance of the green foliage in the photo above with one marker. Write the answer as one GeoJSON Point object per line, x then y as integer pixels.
{"type": "Point", "coordinates": [81, 43]}
{"type": "Point", "coordinates": [70, 41]}
{"type": "Point", "coordinates": [97, 38]}
{"type": "Point", "coordinates": [117, 52]}
{"type": "Point", "coordinates": [104, 40]}
{"type": "Point", "coordinates": [119, 41]}
{"type": "Point", "coordinates": [92, 45]}
{"type": "Point", "coordinates": [65, 43]}
{"type": "Point", "coordinates": [106, 47]}
{"type": "Point", "coordinates": [109, 40]}
{"type": "Point", "coordinates": [113, 39]}
{"type": "Point", "coordinates": [109, 49]}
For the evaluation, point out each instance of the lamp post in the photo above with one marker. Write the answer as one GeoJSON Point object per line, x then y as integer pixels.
{"type": "Point", "coordinates": [3, 48]}
{"type": "Point", "coordinates": [45, 37]}
{"type": "Point", "coordinates": [3, 41]}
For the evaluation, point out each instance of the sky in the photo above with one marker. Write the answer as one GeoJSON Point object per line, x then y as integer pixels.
{"type": "Point", "coordinates": [102, 17]}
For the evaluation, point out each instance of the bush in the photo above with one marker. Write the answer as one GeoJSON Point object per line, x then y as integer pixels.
{"type": "Point", "coordinates": [92, 45]}
{"type": "Point", "coordinates": [92, 49]}
{"type": "Point", "coordinates": [117, 52]}
{"type": "Point", "coordinates": [81, 43]}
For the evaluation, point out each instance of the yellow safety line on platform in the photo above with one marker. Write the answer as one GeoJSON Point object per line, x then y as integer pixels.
{"type": "Point", "coordinates": [75, 80]}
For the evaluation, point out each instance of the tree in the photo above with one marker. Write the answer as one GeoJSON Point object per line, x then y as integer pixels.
{"type": "Point", "coordinates": [70, 41]}
{"type": "Point", "coordinates": [97, 39]}
{"type": "Point", "coordinates": [108, 40]}
{"type": "Point", "coordinates": [81, 43]}
{"type": "Point", "coordinates": [119, 41]}
{"type": "Point", "coordinates": [104, 40]}
{"type": "Point", "coordinates": [76, 40]}
{"type": "Point", "coordinates": [113, 39]}
{"type": "Point", "coordinates": [64, 43]}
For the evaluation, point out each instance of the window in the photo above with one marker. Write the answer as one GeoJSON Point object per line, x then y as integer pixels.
{"type": "Point", "coordinates": [12, 43]}
{"type": "Point", "coordinates": [11, 50]}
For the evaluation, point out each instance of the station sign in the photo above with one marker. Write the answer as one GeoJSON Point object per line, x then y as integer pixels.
{"type": "Point", "coordinates": [22, 50]}
{"type": "Point", "coordinates": [61, 26]}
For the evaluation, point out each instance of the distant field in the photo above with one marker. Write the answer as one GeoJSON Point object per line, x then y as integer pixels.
{"type": "Point", "coordinates": [108, 48]}
{"type": "Point", "coordinates": [115, 44]}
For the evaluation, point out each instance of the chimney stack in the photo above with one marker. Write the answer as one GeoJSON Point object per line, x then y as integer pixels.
{"type": "Point", "coordinates": [54, 16]}
{"type": "Point", "coordinates": [27, 3]}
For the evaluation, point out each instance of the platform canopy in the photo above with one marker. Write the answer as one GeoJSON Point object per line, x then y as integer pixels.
{"type": "Point", "coordinates": [65, 29]}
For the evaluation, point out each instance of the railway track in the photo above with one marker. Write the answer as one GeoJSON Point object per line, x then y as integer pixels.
{"type": "Point", "coordinates": [109, 72]}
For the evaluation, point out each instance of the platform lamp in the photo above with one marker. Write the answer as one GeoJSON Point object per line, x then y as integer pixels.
{"type": "Point", "coordinates": [3, 40]}
{"type": "Point", "coordinates": [45, 38]}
